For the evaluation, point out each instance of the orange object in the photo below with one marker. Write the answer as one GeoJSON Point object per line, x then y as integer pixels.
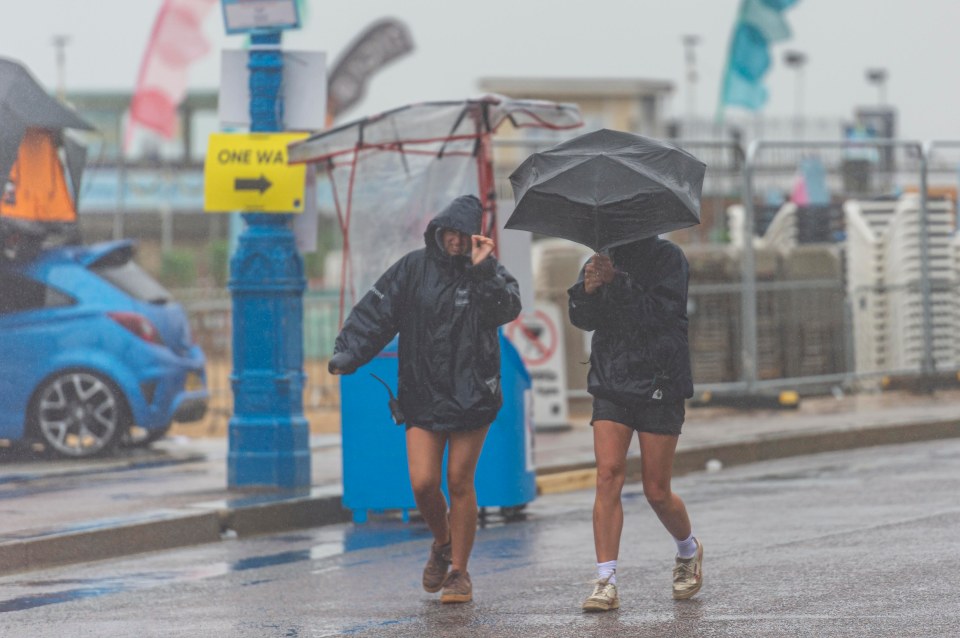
{"type": "Point", "coordinates": [37, 187]}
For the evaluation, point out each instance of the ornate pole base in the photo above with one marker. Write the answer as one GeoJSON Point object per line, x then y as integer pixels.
{"type": "Point", "coordinates": [269, 436]}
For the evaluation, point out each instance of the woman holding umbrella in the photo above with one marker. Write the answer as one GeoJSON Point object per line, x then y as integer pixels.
{"type": "Point", "coordinates": [616, 192]}
{"type": "Point", "coordinates": [636, 304]}
{"type": "Point", "coordinates": [446, 301]}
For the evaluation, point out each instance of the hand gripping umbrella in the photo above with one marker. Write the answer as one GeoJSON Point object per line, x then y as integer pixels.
{"type": "Point", "coordinates": [607, 188]}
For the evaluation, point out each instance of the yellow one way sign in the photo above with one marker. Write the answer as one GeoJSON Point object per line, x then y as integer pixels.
{"type": "Point", "coordinates": [248, 172]}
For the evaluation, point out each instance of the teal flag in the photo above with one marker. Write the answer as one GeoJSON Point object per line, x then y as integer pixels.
{"type": "Point", "coordinates": [302, 9]}
{"type": "Point", "coordinates": [759, 24]}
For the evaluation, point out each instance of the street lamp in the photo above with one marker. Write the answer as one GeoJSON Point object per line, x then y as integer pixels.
{"type": "Point", "coordinates": [879, 78]}
{"type": "Point", "coordinates": [796, 61]}
{"type": "Point", "coordinates": [689, 46]}
{"type": "Point", "coordinates": [60, 43]}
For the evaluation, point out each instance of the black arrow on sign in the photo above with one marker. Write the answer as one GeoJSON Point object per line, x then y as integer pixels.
{"type": "Point", "coordinates": [260, 184]}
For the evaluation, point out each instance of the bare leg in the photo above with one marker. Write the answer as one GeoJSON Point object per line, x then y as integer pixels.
{"type": "Point", "coordinates": [657, 451]}
{"type": "Point", "coordinates": [464, 453]}
{"type": "Point", "coordinates": [425, 462]}
{"type": "Point", "coordinates": [611, 440]}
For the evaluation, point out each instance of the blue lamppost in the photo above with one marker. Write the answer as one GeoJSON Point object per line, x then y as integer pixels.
{"type": "Point", "coordinates": [269, 436]}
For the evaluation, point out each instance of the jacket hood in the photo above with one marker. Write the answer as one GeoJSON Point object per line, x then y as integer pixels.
{"type": "Point", "coordinates": [634, 248]}
{"type": "Point", "coordinates": [463, 214]}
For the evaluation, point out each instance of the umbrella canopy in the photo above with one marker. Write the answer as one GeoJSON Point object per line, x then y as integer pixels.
{"type": "Point", "coordinates": [607, 188]}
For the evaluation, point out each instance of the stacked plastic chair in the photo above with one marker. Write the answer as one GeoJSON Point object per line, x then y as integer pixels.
{"type": "Point", "coordinates": [884, 283]}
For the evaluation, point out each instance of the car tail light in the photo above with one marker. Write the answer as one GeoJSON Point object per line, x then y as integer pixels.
{"type": "Point", "coordinates": [138, 325]}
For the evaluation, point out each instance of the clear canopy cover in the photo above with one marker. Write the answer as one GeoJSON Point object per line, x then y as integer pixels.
{"type": "Point", "coordinates": [391, 173]}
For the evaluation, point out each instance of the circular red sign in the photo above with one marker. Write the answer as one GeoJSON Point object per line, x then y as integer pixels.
{"type": "Point", "coordinates": [535, 337]}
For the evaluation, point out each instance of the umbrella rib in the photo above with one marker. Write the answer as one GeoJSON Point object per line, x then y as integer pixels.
{"type": "Point", "coordinates": [596, 226]}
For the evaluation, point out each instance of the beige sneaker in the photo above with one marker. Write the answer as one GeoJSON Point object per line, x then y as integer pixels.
{"type": "Point", "coordinates": [688, 575]}
{"type": "Point", "coordinates": [435, 571]}
{"type": "Point", "coordinates": [603, 598]}
{"type": "Point", "coordinates": [457, 588]}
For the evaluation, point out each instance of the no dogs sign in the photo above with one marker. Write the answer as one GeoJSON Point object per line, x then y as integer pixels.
{"type": "Point", "coordinates": [538, 338]}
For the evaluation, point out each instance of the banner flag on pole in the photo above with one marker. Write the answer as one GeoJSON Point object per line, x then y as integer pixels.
{"type": "Point", "coordinates": [177, 40]}
{"type": "Point", "coordinates": [378, 45]}
{"type": "Point", "coordinates": [760, 23]}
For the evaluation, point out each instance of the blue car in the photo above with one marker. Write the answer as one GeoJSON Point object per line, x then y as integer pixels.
{"type": "Point", "coordinates": [93, 352]}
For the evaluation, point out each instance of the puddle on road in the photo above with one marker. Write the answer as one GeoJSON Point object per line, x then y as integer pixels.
{"type": "Point", "coordinates": [39, 600]}
{"type": "Point", "coordinates": [92, 588]}
{"type": "Point", "coordinates": [350, 540]}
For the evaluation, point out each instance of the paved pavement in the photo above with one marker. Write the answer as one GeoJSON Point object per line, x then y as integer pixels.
{"type": "Point", "coordinates": [844, 544]}
{"type": "Point", "coordinates": [174, 494]}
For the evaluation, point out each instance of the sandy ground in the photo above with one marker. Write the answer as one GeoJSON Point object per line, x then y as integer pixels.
{"type": "Point", "coordinates": [321, 402]}
{"type": "Point", "coordinates": [322, 421]}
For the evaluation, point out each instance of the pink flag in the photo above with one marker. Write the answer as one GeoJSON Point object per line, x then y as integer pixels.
{"type": "Point", "coordinates": [177, 40]}
{"type": "Point", "coordinates": [799, 195]}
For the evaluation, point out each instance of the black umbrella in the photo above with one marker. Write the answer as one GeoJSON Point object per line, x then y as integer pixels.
{"type": "Point", "coordinates": [607, 188]}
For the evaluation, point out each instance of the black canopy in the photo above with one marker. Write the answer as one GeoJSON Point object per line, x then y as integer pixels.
{"type": "Point", "coordinates": [25, 104]}
{"type": "Point", "coordinates": [607, 188]}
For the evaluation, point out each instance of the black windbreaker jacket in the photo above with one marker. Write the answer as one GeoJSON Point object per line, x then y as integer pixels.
{"type": "Point", "coordinates": [640, 351]}
{"type": "Point", "coordinates": [447, 312]}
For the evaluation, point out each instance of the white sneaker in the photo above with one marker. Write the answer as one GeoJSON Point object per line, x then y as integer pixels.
{"type": "Point", "coordinates": [603, 598]}
{"type": "Point", "coordinates": [688, 575]}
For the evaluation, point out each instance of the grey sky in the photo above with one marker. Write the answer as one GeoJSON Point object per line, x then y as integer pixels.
{"type": "Point", "coordinates": [458, 42]}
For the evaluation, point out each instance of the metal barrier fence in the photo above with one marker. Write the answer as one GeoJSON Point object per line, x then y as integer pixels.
{"type": "Point", "coordinates": [789, 309]}
{"type": "Point", "coordinates": [211, 325]}
{"type": "Point", "coordinates": [897, 248]}
{"type": "Point", "coordinates": [842, 293]}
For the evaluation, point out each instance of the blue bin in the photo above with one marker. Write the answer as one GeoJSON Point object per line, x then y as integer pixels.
{"type": "Point", "coordinates": [374, 451]}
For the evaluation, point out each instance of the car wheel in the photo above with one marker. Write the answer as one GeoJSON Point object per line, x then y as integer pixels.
{"type": "Point", "coordinates": [79, 414]}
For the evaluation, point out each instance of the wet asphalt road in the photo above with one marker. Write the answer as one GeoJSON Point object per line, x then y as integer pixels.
{"type": "Point", "coordinates": [860, 543]}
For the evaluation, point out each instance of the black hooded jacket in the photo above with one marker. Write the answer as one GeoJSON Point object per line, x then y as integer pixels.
{"type": "Point", "coordinates": [640, 352]}
{"type": "Point", "coordinates": [447, 312]}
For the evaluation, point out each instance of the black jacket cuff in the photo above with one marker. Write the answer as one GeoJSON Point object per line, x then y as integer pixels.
{"type": "Point", "coordinates": [486, 269]}
{"type": "Point", "coordinates": [343, 362]}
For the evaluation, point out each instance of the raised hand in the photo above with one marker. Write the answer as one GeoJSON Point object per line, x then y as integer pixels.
{"type": "Point", "coordinates": [481, 247]}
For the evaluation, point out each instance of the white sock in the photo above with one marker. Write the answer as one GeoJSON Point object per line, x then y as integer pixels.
{"type": "Point", "coordinates": [687, 548]}
{"type": "Point", "coordinates": [606, 569]}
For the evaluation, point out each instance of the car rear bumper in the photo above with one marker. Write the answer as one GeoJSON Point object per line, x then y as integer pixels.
{"type": "Point", "coordinates": [191, 408]}
{"type": "Point", "coordinates": [181, 390]}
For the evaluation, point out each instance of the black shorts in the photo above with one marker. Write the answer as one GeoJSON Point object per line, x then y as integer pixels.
{"type": "Point", "coordinates": [444, 428]}
{"type": "Point", "coordinates": [653, 417]}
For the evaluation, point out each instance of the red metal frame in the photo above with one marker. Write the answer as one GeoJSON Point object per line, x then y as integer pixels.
{"type": "Point", "coordinates": [486, 183]}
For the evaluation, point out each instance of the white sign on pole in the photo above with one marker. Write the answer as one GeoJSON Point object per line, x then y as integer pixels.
{"type": "Point", "coordinates": [244, 16]}
{"type": "Point", "coordinates": [306, 225]}
{"type": "Point", "coordinates": [304, 90]}
{"type": "Point", "coordinates": [538, 338]}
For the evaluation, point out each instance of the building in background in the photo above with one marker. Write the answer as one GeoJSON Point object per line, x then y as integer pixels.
{"type": "Point", "coordinates": [625, 104]}
{"type": "Point", "coordinates": [108, 111]}
{"type": "Point", "coordinates": [155, 193]}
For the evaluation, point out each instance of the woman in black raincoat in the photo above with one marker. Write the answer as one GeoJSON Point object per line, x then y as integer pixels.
{"type": "Point", "coordinates": [635, 301]}
{"type": "Point", "coordinates": [446, 301]}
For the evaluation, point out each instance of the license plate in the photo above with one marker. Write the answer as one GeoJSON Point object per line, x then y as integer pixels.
{"type": "Point", "coordinates": [193, 382]}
